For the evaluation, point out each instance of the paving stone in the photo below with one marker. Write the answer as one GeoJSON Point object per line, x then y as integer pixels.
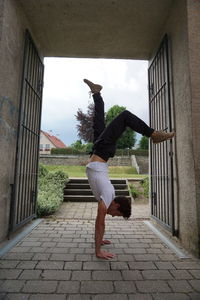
{"type": "Point", "coordinates": [56, 274]}
{"type": "Point", "coordinates": [47, 297]}
{"type": "Point", "coordinates": [18, 256]}
{"type": "Point", "coordinates": [50, 265]}
{"type": "Point", "coordinates": [9, 273]}
{"type": "Point", "coordinates": [70, 265]}
{"type": "Point", "coordinates": [2, 296]}
{"type": "Point", "coordinates": [180, 286]}
{"type": "Point", "coordinates": [99, 265]}
{"type": "Point", "coordinates": [119, 266]}
{"type": "Point", "coordinates": [68, 287]}
{"type": "Point", "coordinates": [79, 297]}
{"type": "Point", "coordinates": [140, 297]}
{"type": "Point", "coordinates": [195, 273]}
{"type": "Point", "coordinates": [195, 284]}
{"type": "Point", "coordinates": [80, 250]}
{"type": "Point", "coordinates": [27, 265]}
{"type": "Point", "coordinates": [131, 275]}
{"type": "Point", "coordinates": [66, 245]}
{"type": "Point", "coordinates": [20, 249]}
{"type": "Point", "coordinates": [157, 274]}
{"type": "Point", "coordinates": [106, 275]}
{"type": "Point", "coordinates": [40, 286]}
{"type": "Point", "coordinates": [63, 257]}
{"type": "Point", "coordinates": [81, 275]}
{"type": "Point", "coordinates": [164, 265]}
{"type": "Point", "coordinates": [38, 249]}
{"type": "Point", "coordinates": [125, 257]}
{"type": "Point", "coordinates": [8, 264]}
{"type": "Point", "coordinates": [30, 244]}
{"type": "Point", "coordinates": [135, 250]}
{"type": "Point", "coordinates": [167, 257]}
{"type": "Point", "coordinates": [41, 256]}
{"type": "Point", "coordinates": [194, 296]}
{"type": "Point", "coordinates": [138, 245]}
{"type": "Point", "coordinates": [142, 265]}
{"type": "Point", "coordinates": [124, 287]}
{"type": "Point", "coordinates": [181, 274]}
{"type": "Point", "coordinates": [96, 287]}
{"type": "Point", "coordinates": [110, 297]}
{"type": "Point", "coordinates": [12, 286]}
{"type": "Point", "coordinates": [171, 296]}
{"type": "Point", "coordinates": [187, 265]}
{"type": "Point", "coordinates": [152, 286]}
{"type": "Point", "coordinates": [57, 250]}
{"type": "Point", "coordinates": [83, 257]}
{"type": "Point", "coordinates": [30, 274]}
{"type": "Point", "coordinates": [154, 251]}
{"type": "Point", "coordinates": [146, 257]}
{"type": "Point", "coordinates": [17, 296]}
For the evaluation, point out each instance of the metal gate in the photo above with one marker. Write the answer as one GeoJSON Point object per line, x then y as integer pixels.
{"type": "Point", "coordinates": [161, 155]}
{"type": "Point", "coordinates": [24, 190]}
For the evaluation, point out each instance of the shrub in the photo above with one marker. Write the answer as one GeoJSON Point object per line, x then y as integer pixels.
{"type": "Point", "coordinates": [145, 185]}
{"type": "Point", "coordinates": [134, 192]}
{"type": "Point", "coordinates": [50, 191]}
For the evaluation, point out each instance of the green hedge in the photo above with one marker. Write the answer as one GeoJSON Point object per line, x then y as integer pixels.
{"type": "Point", "coordinates": [50, 191]}
{"type": "Point", "coordinates": [119, 152]}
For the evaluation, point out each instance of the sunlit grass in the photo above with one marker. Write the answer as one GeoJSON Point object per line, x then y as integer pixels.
{"type": "Point", "coordinates": [114, 172]}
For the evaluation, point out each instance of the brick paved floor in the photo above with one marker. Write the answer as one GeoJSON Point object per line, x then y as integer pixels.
{"type": "Point", "coordinates": [56, 261]}
{"type": "Point", "coordinates": [87, 210]}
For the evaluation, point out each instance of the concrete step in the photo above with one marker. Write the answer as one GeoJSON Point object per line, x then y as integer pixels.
{"type": "Point", "coordinates": [78, 190]}
{"type": "Point", "coordinates": [85, 180]}
{"type": "Point", "coordinates": [84, 186]}
{"type": "Point", "coordinates": [89, 192]}
{"type": "Point", "coordinates": [81, 198]}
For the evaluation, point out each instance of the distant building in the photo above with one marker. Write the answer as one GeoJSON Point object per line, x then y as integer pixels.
{"type": "Point", "coordinates": [49, 141]}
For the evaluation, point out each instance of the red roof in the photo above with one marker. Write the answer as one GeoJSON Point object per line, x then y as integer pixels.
{"type": "Point", "coordinates": [54, 140]}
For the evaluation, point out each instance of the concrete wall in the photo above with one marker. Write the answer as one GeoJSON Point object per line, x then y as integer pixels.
{"type": "Point", "coordinates": [12, 28]}
{"type": "Point", "coordinates": [193, 10]}
{"type": "Point", "coordinates": [180, 28]}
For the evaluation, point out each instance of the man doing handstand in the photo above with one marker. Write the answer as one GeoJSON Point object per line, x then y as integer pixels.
{"type": "Point", "coordinates": [104, 147]}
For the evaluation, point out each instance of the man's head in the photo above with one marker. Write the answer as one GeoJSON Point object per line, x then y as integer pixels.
{"type": "Point", "coordinates": [120, 206]}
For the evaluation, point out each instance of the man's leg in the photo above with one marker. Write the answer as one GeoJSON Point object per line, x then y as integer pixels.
{"type": "Point", "coordinates": [125, 119]}
{"type": "Point", "coordinates": [99, 116]}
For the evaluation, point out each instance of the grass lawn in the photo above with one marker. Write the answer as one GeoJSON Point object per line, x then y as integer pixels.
{"type": "Point", "coordinates": [114, 172]}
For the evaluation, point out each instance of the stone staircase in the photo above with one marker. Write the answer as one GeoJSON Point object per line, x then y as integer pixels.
{"type": "Point", "coordinates": [78, 190]}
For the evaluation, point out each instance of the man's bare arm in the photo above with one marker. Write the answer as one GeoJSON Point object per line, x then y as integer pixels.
{"type": "Point", "coordinates": [99, 231]}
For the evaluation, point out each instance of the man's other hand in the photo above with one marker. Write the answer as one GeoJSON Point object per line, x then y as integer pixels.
{"type": "Point", "coordinates": [105, 255]}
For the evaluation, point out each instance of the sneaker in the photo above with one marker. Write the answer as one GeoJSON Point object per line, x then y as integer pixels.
{"type": "Point", "coordinates": [95, 88]}
{"type": "Point", "coordinates": [161, 136]}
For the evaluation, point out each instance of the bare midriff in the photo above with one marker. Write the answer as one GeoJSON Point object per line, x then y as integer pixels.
{"type": "Point", "coordinates": [95, 157]}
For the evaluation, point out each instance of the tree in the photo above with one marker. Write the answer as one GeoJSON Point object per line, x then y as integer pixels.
{"type": "Point", "coordinates": [85, 128]}
{"type": "Point", "coordinates": [144, 143]}
{"type": "Point", "coordinates": [78, 145]}
{"type": "Point", "coordinates": [128, 138]}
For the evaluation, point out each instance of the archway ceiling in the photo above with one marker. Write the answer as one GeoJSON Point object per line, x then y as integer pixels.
{"type": "Point", "coordinates": [129, 29]}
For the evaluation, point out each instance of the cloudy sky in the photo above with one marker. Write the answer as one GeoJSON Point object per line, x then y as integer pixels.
{"type": "Point", "coordinates": [124, 83]}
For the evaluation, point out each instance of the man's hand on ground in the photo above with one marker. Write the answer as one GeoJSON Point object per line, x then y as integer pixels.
{"type": "Point", "coordinates": [105, 255]}
{"type": "Point", "coordinates": [105, 242]}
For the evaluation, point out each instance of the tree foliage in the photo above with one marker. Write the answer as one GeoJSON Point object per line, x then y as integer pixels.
{"type": "Point", "coordinates": [128, 138]}
{"type": "Point", "coordinates": [144, 143]}
{"type": "Point", "coordinates": [85, 126]}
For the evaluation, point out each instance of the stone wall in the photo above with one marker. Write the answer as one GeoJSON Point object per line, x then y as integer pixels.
{"type": "Point", "coordinates": [81, 160]}
{"type": "Point", "coordinates": [139, 162]}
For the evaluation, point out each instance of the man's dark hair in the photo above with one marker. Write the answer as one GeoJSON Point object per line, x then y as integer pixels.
{"type": "Point", "coordinates": [125, 206]}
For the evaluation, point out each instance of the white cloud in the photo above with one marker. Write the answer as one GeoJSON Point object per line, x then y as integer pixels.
{"type": "Point", "coordinates": [124, 83]}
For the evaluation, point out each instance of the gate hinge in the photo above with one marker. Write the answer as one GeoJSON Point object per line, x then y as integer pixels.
{"type": "Point", "coordinates": [171, 153]}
